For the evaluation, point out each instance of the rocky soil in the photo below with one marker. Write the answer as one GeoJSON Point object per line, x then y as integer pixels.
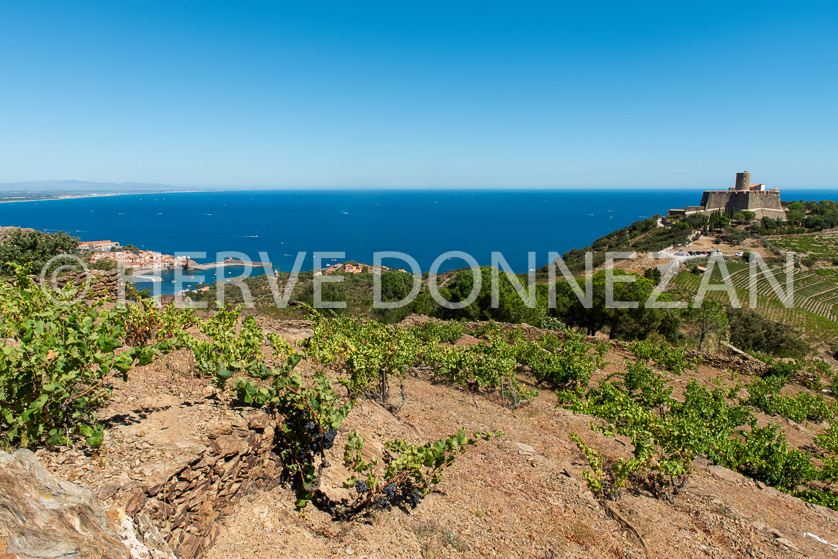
{"type": "Point", "coordinates": [181, 459]}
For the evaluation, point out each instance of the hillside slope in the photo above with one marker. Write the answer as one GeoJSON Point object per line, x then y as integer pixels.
{"type": "Point", "coordinates": [520, 495]}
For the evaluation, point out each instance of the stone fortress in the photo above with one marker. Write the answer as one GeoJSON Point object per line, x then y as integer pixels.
{"type": "Point", "coordinates": [743, 196]}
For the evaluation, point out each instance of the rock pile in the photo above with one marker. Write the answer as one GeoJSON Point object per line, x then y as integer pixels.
{"type": "Point", "coordinates": [99, 283]}
{"type": "Point", "coordinates": [741, 363]}
{"type": "Point", "coordinates": [185, 495]}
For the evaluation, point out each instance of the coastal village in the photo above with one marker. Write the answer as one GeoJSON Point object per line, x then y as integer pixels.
{"type": "Point", "coordinates": [353, 267]}
{"type": "Point", "coordinates": [140, 260]}
{"type": "Point", "coordinates": [108, 250]}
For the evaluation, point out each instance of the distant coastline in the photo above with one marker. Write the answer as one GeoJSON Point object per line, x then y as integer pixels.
{"type": "Point", "coordinates": [46, 195]}
{"type": "Point", "coordinates": [54, 197]}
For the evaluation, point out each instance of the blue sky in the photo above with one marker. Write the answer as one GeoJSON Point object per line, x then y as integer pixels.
{"type": "Point", "coordinates": [420, 94]}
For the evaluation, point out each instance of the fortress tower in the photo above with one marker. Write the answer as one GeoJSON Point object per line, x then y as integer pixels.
{"type": "Point", "coordinates": [743, 181]}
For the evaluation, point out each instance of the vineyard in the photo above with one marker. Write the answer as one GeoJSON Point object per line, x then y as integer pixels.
{"type": "Point", "coordinates": [822, 245]}
{"type": "Point", "coordinates": [451, 401]}
{"type": "Point", "coordinates": [815, 308]}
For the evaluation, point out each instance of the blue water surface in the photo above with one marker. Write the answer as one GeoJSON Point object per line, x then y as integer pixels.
{"type": "Point", "coordinates": [424, 224]}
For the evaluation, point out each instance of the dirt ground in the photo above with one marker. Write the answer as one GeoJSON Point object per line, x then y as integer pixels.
{"type": "Point", "coordinates": [645, 260]}
{"type": "Point", "coordinates": [520, 495]}
{"type": "Point", "coordinates": [708, 243]}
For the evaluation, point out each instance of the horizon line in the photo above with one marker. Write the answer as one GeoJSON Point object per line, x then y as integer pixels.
{"type": "Point", "coordinates": [160, 187]}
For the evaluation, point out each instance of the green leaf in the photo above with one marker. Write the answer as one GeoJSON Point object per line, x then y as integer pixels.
{"type": "Point", "coordinates": [39, 403]}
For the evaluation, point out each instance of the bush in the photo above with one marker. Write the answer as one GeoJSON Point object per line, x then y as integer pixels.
{"type": "Point", "coordinates": [765, 395]}
{"type": "Point", "coordinates": [568, 364]}
{"type": "Point", "coordinates": [312, 415]}
{"type": "Point", "coordinates": [226, 353]}
{"type": "Point", "coordinates": [56, 360]}
{"type": "Point", "coordinates": [667, 434]}
{"type": "Point", "coordinates": [434, 331]}
{"type": "Point", "coordinates": [749, 331]}
{"type": "Point", "coordinates": [406, 478]}
{"type": "Point", "coordinates": [672, 358]}
{"type": "Point", "coordinates": [33, 248]}
{"type": "Point", "coordinates": [551, 323]}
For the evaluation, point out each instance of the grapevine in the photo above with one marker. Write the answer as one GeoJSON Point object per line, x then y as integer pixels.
{"type": "Point", "coordinates": [408, 477]}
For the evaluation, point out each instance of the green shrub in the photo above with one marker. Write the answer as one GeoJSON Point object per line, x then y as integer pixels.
{"type": "Point", "coordinates": [765, 395]}
{"type": "Point", "coordinates": [311, 411]}
{"type": "Point", "coordinates": [750, 331]}
{"type": "Point", "coordinates": [566, 364]}
{"type": "Point", "coordinates": [406, 478]}
{"type": "Point", "coordinates": [667, 434]}
{"type": "Point", "coordinates": [58, 356]}
{"type": "Point", "coordinates": [227, 353]}
{"type": "Point", "coordinates": [551, 323]}
{"type": "Point", "coordinates": [33, 249]}
{"type": "Point", "coordinates": [672, 358]}
{"type": "Point", "coordinates": [434, 331]}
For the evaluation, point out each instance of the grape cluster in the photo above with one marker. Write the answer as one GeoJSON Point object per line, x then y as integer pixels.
{"type": "Point", "coordinates": [403, 495]}
{"type": "Point", "coordinates": [311, 439]}
{"type": "Point", "coordinates": [414, 498]}
{"type": "Point", "coordinates": [320, 439]}
{"type": "Point", "coordinates": [361, 487]}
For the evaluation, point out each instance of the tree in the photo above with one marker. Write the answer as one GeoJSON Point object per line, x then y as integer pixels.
{"type": "Point", "coordinates": [718, 220]}
{"type": "Point", "coordinates": [35, 247]}
{"type": "Point", "coordinates": [750, 331]}
{"type": "Point", "coordinates": [395, 286]}
{"type": "Point", "coordinates": [653, 274]}
{"type": "Point", "coordinates": [708, 318]}
{"type": "Point", "coordinates": [511, 307]}
{"type": "Point", "coordinates": [768, 223]}
{"type": "Point", "coordinates": [625, 323]}
{"type": "Point", "coordinates": [796, 218]}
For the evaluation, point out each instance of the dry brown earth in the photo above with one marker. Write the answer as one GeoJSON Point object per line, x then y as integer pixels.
{"type": "Point", "coordinates": [522, 495]}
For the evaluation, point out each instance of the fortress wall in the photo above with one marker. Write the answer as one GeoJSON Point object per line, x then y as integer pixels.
{"type": "Point", "coordinates": [767, 200]}
{"type": "Point", "coordinates": [713, 200]}
{"type": "Point", "coordinates": [763, 204]}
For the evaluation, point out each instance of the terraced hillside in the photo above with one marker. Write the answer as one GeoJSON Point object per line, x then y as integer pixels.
{"type": "Point", "coordinates": [823, 244]}
{"type": "Point", "coordinates": [815, 304]}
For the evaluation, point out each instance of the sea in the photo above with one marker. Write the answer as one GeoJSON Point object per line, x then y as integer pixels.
{"type": "Point", "coordinates": [342, 225]}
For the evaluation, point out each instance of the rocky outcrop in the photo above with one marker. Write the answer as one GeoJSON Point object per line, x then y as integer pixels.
{"type": "Point", "coordinates": [41, 516]}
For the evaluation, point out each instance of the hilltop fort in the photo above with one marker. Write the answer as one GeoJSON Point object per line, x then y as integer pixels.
{"type": "Point", "coordinates": [743, 196]}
